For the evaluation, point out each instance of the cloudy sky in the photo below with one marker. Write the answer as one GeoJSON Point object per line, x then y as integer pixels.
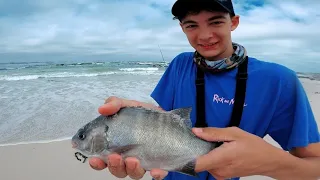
{"type": "Point", "coordinates": [285, 31]}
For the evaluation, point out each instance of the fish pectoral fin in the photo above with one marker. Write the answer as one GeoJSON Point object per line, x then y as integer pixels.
{"type": "Point", "coordinates": [188, 169]}
{"type": "Point", "coordinates": [123, 149]}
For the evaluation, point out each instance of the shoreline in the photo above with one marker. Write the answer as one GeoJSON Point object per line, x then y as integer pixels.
{"type": "Point", "coordinates": [36, 142]}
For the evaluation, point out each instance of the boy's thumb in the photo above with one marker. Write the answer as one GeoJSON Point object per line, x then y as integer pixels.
{"type": "Point", "coordinates": [215, 134]}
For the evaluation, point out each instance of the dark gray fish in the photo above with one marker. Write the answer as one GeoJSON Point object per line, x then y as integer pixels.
{"type": "Point", "coordinates": [159, 139]}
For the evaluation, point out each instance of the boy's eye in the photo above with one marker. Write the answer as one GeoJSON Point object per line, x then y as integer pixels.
{"type": "Point", "coordinates": [191, 26]}
{"type": "Point", "coordinates": [217, 22]}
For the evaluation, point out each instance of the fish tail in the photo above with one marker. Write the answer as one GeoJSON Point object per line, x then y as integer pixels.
{"type": "Point", "coordinates": [188, 169]}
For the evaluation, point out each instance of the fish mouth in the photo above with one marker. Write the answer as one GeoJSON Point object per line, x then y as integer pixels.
{"type": "Point", "coordinates": [74, 145]}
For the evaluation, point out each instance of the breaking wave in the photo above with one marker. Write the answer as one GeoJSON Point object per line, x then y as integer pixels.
{"type": "Point", "coordinates": [68, 75]}
{"type": "Point", "coordinates": [139, 69]}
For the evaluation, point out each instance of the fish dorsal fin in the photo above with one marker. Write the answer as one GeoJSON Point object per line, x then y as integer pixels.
{"type": "Point", "coordinates": [184, 114]}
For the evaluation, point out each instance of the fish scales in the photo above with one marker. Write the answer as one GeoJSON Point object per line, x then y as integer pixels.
{"type": "Point", "coordinates": [158, 139]}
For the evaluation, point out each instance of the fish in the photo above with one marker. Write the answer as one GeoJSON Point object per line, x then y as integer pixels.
{"type": "Point", "coordinates": [157, 138]}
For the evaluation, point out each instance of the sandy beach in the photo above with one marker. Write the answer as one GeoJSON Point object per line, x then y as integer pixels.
{"type": "Point", "coordinates": [56, 160]}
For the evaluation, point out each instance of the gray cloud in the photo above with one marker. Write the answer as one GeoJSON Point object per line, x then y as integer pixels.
{"type": "Point", "coordinates": [281, 31]}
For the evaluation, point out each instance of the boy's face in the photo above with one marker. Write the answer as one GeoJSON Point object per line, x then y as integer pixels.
{"type": "Point", "coordinates": [210, 33]}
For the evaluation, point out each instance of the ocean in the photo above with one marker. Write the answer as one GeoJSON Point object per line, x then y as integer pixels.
{"type": "Point", "coordinates": [46, 101]}
{"type": "Point", "coordinates": [43, 102]}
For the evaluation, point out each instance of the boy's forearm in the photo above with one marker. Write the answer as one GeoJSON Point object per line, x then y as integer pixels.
{"type": "Point", "coordinates": [294, 168]}
{"type": "Point", "coordinates": [312, 168]}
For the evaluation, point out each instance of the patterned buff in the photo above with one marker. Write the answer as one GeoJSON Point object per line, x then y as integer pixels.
{"type": "Point", "coordinates": [225, 64]}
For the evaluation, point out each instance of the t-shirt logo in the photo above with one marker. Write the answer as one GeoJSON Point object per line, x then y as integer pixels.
{"type": "Point", "coordinates": [217, 99]}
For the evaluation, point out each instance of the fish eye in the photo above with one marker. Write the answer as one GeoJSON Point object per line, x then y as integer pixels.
{"type": "Point", "coordinates": [81, 136]}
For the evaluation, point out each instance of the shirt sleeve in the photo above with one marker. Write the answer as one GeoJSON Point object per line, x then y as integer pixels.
{"type": "Point", "coordinates": [164, 91]}
{"type": "Point", "coordinates": [293, 124]}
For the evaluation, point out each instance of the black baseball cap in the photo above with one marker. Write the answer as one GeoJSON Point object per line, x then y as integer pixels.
{"type": "Point", "coordinates": [181, 7]}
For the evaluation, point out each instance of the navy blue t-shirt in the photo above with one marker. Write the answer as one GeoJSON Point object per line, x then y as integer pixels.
{"type": "Point", "coordinates": [275, 103]}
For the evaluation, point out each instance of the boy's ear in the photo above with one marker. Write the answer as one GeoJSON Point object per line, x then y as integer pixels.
{"type": "Point", "coordinates": [235, 20]}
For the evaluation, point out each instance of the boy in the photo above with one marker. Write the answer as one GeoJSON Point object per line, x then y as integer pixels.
{"type": "Point", "coordinates": [256, 97]}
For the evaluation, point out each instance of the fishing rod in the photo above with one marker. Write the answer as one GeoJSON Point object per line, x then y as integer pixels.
{"type": "Point", "coordinates": [161, 53]}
